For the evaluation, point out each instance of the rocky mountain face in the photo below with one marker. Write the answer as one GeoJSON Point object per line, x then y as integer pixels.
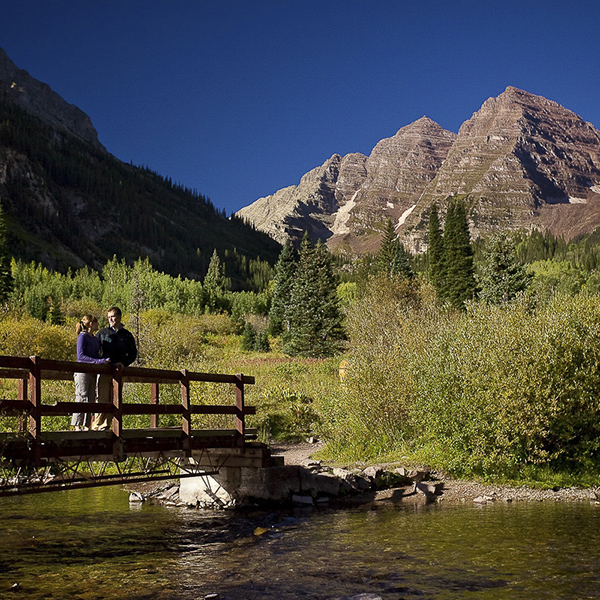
{"type": "Point", "coordinates": [347, 200]}
{"type": "Point", "coordinates": [520, 162]}
{"type": "Point", "coordinates": [38, 99]}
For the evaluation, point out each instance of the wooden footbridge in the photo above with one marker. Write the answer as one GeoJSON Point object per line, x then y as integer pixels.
{"type": "Point", "coordinates": [36, 455]}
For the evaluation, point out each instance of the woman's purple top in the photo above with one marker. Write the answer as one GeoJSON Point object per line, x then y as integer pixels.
{"type": "Point", "coordinates": [88, 349]}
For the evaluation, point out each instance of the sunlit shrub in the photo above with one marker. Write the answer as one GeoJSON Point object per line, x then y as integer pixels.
{"type": "Point", "coordinates": [370, 416]}
{"type": "Point", "coordinates": [492, 392]}
{"type": "Point", "coordinates": [22, 335]}
{"type": "Point", "coordinates": [505, 388]}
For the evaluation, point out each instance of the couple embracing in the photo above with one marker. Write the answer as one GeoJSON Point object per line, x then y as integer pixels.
{"type": "Point", "coordinates": [113, 344]}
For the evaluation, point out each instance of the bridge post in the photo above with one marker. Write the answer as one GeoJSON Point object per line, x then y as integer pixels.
{"type": "Point", "coordinates": [240, 424]}
{"type": "Point", "coordinates": [186, 414]}
{"type": "Point", "coordinates": [22, 396]}
{"type": "Point", "coordinates": [154, 400]}
{"type": "Point", "coordinates": [117, 415]}
{"type": "Point", "coordinates": [35, 397]}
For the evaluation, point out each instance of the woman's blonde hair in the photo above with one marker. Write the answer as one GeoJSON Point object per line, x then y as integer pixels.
{"type": "Point", "coordinates": [85, 322]}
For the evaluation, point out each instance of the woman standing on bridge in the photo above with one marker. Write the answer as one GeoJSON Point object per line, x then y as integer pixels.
{"type": "Point", "coordinates": [88, 351]}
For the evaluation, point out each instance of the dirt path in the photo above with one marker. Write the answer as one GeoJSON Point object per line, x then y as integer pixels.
{"type": "Point", "coordinates": [295, 453]}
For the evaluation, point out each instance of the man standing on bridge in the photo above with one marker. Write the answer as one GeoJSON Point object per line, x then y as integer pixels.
{"type": "Point", "coordinates": [117, 344]}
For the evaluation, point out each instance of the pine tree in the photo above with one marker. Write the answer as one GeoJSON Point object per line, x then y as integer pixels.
{"type": "Point", "coordinates": [392, 258]}
{"type": "Point", "coordinates": [459, 284]}
{"type": "Point", "coordinates": [261, 343]}
{"type": "Point", "coordinates": [248, 337]}
{"type": "Point", "coordinates": [387, 250]}
{"type": "Point", "coordinates": [285, 270]}
{"type": "Point", "coordinates": [435, 252]}
{"type": "Point", "coordinates": [314, 313]}
{"type": "Point", "coordinates": [6, 280]}
{"type": "Point", "coordinates": [401, 262]}
{"type": "Point", "coordinates": [215, 284]}
{"type": "Point", "coordinates": [55, 315]}
{"type": "Point", "coordinates": [502, 275]}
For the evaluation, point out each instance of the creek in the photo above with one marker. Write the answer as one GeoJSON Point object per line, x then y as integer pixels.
{"type": "Point", "coordinates": [94, 545]}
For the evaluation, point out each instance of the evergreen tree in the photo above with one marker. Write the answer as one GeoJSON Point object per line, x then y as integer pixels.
{"type": "Point", "coordinates": [314, 313]}
{"type": "Point", "coordinates": [55, 315]}
{"type": "Point", "coordinates": [401, 262]}
{"type": "Point", "coordinates": [392, 258]}
{"type": "Point", "coordinates": [459, 283]}
{"type": "Point", "coordinates": [387, 249]}
{"type": "Point", "coordinates": [215, 284]}
{"type": "Point", "coordinates": [502, 276]}
{"type": "Point", "coordinates": [435, 252]}
{"type": "Point", "coordinates": [285, 270]}
{"type": "Point", "coordinates": [6, 280]}
{"type": "Point", "coordinates": [261, 343]}
{"type": "Point", "coordinates": [248, 337]}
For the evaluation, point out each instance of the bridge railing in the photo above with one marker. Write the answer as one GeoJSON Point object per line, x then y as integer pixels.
{"type": "Point", "coordinates": [33, 371]}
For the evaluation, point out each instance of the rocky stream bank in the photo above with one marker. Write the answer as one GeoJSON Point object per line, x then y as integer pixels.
{"type": "Point", "coordinates": [377, 485]}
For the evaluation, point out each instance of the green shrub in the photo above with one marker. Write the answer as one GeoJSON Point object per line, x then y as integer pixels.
{"type": "Point", "coordinates": [23, 335]}
{"type": "Point", "coordinates": [493, 392]}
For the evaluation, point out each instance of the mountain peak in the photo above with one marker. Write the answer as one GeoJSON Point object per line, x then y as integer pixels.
{"type": "Point", "coordinates": [40, 100]}
{"type": "Point", "coordinates": [346, 200]}
{"type": "Point", "coordinates": [521, 161]}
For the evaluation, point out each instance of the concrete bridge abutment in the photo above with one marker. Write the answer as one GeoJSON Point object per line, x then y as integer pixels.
{"type": "Point", "coordinates": [243, 485]}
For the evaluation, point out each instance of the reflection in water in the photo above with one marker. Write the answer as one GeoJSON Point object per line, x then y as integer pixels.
{"type": "Point", "coordinates": [91, 545]}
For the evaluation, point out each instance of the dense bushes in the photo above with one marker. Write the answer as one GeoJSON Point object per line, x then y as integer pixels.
{"type": "Point", "coordinates": [497, 391]}
{"type": "Point", "coordinates": [507, 388]}
{"type": "Point", "coordinates": [22, 335]}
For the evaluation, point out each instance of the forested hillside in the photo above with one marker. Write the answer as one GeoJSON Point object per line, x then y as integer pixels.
{"type": "Point", "coordinates": [70, 204]}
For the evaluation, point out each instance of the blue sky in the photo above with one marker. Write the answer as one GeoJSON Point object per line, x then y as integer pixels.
{"type": "Point", "coordinates": [238, 99]}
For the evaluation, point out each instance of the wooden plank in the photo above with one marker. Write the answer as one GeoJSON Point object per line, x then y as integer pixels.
{"type": "Point", "coordinates": [149, 375]}
{"type": "Point", "coordinates": [131, 408]}
{"type": "Point", "coordinates": [58, 436]}
{"type": "Point", "coordinates": [66, 408]}
{"type": "Point", "coordinates": [219, 378]}
{"type": "Point", "coordinates": [14, 373]}
{"type": "Point", "coordinates": [153, 432]}
{"type": "Point", "coordinates": [207, 433]}
{"type": "Point", "coordinates": [65, 374]}
{"type": "Point", "coordinates": [17, 405]}
{"type": "Point", "coordinates": [15, 362]}
{"type": "Point", "coordinates": [215, 409]}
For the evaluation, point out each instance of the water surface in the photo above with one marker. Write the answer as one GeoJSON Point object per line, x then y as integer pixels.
{"type": "Point", "coordinates": [92, 545]}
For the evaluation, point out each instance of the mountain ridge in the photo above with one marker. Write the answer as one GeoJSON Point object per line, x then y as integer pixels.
{"type": "Point", "coordinates": [40, 100]}
{"type": "Point", "coordinates": [69, 203]}
{"type": "Point", "coordinates": [520, 162]}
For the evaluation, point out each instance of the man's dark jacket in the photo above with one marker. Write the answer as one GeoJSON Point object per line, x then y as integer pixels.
{"type": "Point", "coordinates": [117, 345]}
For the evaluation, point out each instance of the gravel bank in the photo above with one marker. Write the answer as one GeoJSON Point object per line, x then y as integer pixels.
{"type": "Point", "coordinates": [454, 490]}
